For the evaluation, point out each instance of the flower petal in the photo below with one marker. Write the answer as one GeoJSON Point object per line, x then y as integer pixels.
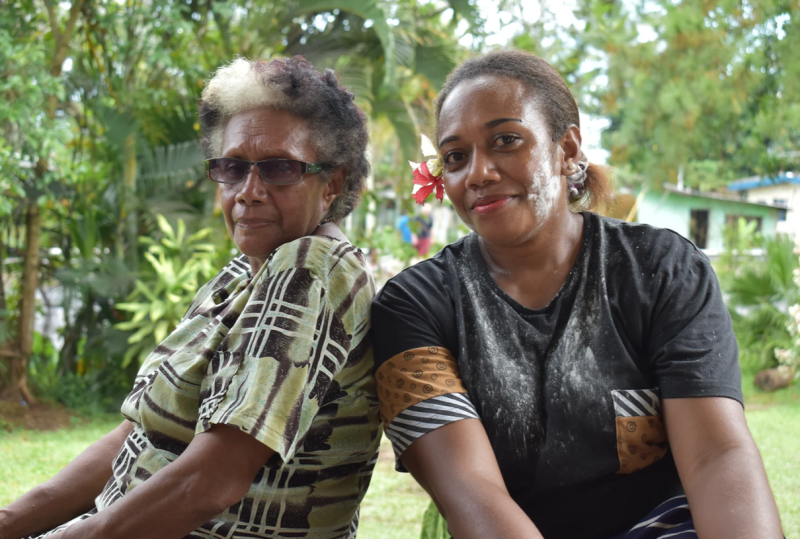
{"type": "Point", "coordinates": [421, 179]}
{"type": "Point", "coordinates": [423, 193]}
{"type": "Point", "coordinates": [428, 149]}
{"type": "Point", "coordinates": [422, 176]}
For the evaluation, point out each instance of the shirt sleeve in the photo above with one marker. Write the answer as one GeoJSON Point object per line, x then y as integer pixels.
{"type": "Point", "coordinates": [692, 343]}
{"type": "Point", "coordinates": [273, 369]}
{"type": "Point", "coordinates": [419, 385]}
{"type": "Point", "coordinates": [420, 390]}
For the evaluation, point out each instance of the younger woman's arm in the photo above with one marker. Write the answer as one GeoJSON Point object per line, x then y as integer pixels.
{"type": "Point", "coordinates": [456, 465]}
{"type": "Point", "coordinates": [721, 469]}
{"type": "Point", "coordinates": [70, 493]}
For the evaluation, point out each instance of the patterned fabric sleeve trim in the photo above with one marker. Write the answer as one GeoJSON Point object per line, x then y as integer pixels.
{"type": "Point", "coordinates": [425, 417]}
{"type": "Point", "coordinates": [420, 390]}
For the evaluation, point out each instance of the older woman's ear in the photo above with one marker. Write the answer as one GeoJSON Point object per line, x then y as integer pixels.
{"type": "Point", "coordinates": [334, 186]}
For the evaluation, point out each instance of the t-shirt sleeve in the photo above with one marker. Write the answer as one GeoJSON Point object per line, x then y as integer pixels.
{"type": "Point", "coordinates": [419, 385]}
{"type": "Point", "coordinates": [420, 390]}
{"type": "Point", "coordinates": [692, 343]}
{"type": "Point", "coordinates": [274, 368]}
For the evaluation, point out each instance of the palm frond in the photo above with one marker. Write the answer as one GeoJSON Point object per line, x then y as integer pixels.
{"type": "Point", "coordinates": [373, 10]}
{"type": "Point", "coordinates": [165, 167]}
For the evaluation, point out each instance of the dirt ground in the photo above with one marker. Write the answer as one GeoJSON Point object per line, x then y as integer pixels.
{"type": "Point", "coordinates": [18, 414]}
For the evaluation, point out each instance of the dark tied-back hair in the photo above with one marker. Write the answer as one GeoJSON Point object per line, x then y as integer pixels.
{"type": "Point", "coordinates": [551, 95]}
{"type": "Point", "coordinates": [293, 85]}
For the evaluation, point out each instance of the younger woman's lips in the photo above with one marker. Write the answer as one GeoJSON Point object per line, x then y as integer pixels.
{"type": "Point", "coordinates": [490, 206]}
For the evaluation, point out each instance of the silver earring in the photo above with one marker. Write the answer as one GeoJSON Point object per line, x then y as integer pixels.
{"type": "Point", "coordinates": [576, 187]}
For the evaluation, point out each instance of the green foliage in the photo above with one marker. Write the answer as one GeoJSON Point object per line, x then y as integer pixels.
{"type": "Point", "coordinates": [434, 526]}
{"type": "Point", "coordinates": [759, 291]}
{"type": "Point", "coordinates": [26, 132]}
{"type": "Point", "coordinates": [100, 130]}
{"type": "Point", "coordinates": [759, 333]}
{"type": "Point", "coordinates": [703, 88]}
{"type": "Point", "coordinates": [388, 240]}
{"type": "Point", "coordinates": [178, 266]}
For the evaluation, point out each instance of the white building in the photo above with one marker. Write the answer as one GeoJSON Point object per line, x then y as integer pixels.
{"type": "Point", "coordinates": [782, 190]}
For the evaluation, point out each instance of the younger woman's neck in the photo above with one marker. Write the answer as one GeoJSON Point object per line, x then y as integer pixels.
{"type": "Point", "coordinates": [556, 244]}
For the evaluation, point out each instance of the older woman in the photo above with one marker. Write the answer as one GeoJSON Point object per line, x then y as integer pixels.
{"type": "Point", "coordinates": [257, 416]}
{"type": "Point", "coordinates": [557, 373]}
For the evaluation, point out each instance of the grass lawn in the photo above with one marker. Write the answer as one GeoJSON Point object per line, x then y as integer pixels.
{"type": "Point", "coordinates": [394, 504]}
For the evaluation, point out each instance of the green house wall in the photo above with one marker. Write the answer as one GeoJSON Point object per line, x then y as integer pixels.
{"type": "Point", "coordinates": [673, 211]}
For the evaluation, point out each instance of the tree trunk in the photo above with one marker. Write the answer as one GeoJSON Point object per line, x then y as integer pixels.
{"type": "Point", "coordinates": [18, 380]}
{"type": "Point", "coordinates": [3, 316]}
{"type": "Point", "coordinates": [5, 346]}
{"type": "Point", "coordinates": [33, 224]}
{"type": "Point", "coordinates": [129, 214]}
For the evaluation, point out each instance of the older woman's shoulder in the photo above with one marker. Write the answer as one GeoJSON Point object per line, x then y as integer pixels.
{"type": "Point", "coordinates": [324, 257]}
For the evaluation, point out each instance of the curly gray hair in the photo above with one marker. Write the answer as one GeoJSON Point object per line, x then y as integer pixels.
{"type": "Point", "coordinates": [293, 85]}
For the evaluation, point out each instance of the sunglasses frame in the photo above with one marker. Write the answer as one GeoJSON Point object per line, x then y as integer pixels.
{"type": "Point", "coordinates": [305, 168]}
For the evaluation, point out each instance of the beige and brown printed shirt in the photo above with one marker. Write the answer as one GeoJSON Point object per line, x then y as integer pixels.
{"type": "Point", "coordinates": [285, 356]}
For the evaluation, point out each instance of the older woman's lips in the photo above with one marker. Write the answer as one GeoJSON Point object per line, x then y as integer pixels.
{"type": "Point", "coordinates": [251, 224]}
{"type": "Point", "coordinates": [489, 205]}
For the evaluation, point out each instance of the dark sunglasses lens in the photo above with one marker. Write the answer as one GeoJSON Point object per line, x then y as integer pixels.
{"type": "Point", "coordinates": [227, 170]}
{"type": "Point", "coordinates": [281, 171]}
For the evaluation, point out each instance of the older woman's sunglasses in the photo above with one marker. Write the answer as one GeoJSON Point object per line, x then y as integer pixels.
{"type": "Point", "coordinates": [271, 171]}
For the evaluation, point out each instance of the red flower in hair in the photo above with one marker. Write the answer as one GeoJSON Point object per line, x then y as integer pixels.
{"type": "Point", "coordinates": [428, 174]}
{"type": "Point", "coordinates": [427, 182]}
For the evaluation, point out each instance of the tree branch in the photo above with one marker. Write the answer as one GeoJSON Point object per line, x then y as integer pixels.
{"type": "Point", "coordinates": [53, 21]}
{"type": "Point", "coordinates": [74, 11]}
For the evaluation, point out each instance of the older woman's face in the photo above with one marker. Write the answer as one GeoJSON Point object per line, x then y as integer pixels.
{"type": "Point", "coordinates": [502, 171]}
{"type": "Point", "coordinates": [262, 217]}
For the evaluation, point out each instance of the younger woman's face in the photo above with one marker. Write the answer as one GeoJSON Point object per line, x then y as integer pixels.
{"type": "Point", "coordinates": [502, 171]}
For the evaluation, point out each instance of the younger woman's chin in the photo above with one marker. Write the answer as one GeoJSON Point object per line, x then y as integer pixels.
{"type": "Point", "coordinates": [506, 233]}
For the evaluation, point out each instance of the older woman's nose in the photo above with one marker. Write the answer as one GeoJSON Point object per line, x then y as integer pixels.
{"type": "Point", "coordinates": [481, 171]}
{"type": "Point", "coordinates": [252, 189]}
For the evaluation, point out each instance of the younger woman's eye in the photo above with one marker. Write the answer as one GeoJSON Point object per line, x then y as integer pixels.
{"type": "Point", "coordinates": [452, 158]}
{"type": "Point", "coordinates": [504, 140]}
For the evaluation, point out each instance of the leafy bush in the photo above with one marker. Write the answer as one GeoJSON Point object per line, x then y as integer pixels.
{"type": "Point", "coordinates": [178, 267]}
{"type": "Point", "coordinates": [90, 392]}
{"type": "Point", "coordinates": [759, 292]}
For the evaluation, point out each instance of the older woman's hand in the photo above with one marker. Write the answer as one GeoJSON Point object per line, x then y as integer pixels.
{"type": "Point", "coordinates": [199, 485]}
{"type": "Point", "coordinates": [71, 492]}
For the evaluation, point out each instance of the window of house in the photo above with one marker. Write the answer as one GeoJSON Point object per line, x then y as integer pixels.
{"type": "Point", "coordinates": [781, 215]}
{"type": "Point", "coordinates": [698, 228]}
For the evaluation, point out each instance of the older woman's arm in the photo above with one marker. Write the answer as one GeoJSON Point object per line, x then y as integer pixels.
{"type": "Point", "coordinates": [456, 465]}
{"type": "Point", "coordinates": [68, 494]}
{"type": "Point", "coordinates": [213, 473]}
{"type": "Point", "coordinates": [721, 469]}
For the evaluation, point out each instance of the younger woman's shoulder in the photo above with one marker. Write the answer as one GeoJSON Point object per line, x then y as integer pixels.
{"type": "Point", "coordinates": [647, 244]}
{"type": "Point", "coordinates": [430, 276]}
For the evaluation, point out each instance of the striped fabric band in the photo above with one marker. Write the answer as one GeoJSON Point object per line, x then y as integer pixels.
{"type": "Point", "coordinates": [670, 520]}
{"type": "Point", "coordinates": [636, 402]}
{"type": "Point", "coordinates": [424, 417]}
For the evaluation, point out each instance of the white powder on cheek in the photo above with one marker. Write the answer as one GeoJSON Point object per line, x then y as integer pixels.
{"type": "Point", "coordinates": [544, 189]}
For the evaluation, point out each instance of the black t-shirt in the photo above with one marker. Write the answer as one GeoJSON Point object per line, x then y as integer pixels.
{"type": "Point", "coordinates": [569, 395]}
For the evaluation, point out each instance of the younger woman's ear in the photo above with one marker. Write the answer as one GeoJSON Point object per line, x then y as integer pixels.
{"type": "Point", "coordinates": [570, 145]}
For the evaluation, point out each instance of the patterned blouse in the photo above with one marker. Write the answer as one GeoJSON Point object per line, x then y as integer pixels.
{"type": "Point", "coordinates": [285, 356]}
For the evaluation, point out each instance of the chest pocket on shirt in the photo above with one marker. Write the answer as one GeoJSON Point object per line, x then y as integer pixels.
{"type": "Point", "coordinates": [641, 438]}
